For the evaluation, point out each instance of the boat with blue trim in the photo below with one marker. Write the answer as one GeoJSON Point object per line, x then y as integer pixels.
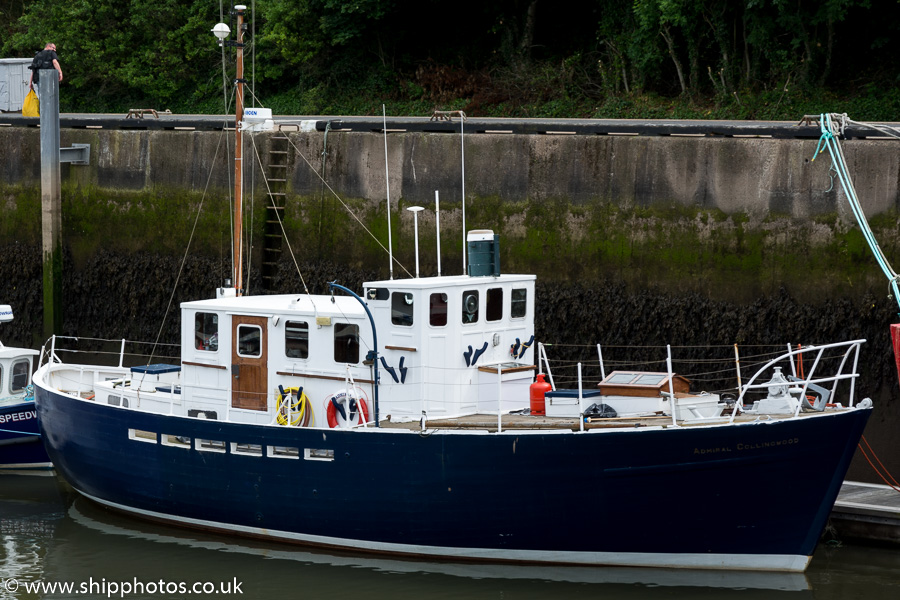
{"type": "Point", "coordinates": [20, 442]}
{"type": "Point", "coordinates": [406, 420]}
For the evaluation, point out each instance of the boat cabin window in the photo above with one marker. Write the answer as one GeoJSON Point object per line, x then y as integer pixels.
{"type": "Point", "coordinates": [377, 294]}
{"type": "Point", "coordinates": [402, 309]}
{"type": "Point", "coordinates": [470, 306]}
{"type": "Point", "coordinates": [346, 343]}
{"type": "Point", "coordinates": [296, 339]}
{"type": "Point", "coordinates": [19, 376]}
{"type": "Point", "coordinates": [518, 303]}
{"type": "Point", "coordinates": [249, 340]}
{"type": "Point", "coordinates": [437, 310]}
{"type": "Point", "coordinates": [493, 311]}
{"type": "Point", "coordinates": [206, 331]}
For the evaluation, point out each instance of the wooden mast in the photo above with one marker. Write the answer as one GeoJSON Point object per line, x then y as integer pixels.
{"type": "Point", "coordinates": [238, 152]}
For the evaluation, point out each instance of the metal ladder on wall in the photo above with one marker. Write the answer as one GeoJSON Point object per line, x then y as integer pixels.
{"type": "Point", "coordinates": [276, 179]}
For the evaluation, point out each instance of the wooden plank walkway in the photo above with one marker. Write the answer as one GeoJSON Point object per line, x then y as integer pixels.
{"type": "Point", "coordinates": [867, 511]}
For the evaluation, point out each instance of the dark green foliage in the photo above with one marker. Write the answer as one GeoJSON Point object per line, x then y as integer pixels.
{"type": "Point", "coordinates": [760, 59]}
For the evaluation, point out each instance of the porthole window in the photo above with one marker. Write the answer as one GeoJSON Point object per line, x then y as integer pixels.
{"type": "Point", "coordinates": [470, 306]}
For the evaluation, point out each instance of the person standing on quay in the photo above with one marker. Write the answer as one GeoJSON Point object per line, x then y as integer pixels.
{"type": "Point", "coordinates": [45, 59]}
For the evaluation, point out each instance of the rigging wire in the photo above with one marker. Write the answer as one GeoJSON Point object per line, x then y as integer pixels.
{"type": "Point", "coordinates": [186, 251]}
{"type": "Point", "coordinates": [344, 204]}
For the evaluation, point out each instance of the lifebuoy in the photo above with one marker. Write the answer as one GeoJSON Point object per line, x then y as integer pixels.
{"type": "Point", "coordinates": [301, 409]}
{"type": "Point", "coordinates": [358, 413]}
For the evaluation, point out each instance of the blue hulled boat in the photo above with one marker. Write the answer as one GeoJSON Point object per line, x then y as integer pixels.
{"type": "Point", "coordinates": [405, 420]}
{"type": "Point", "coordinates": [20, 442]}
{"type": "Point", "coordinates": [286, 420]}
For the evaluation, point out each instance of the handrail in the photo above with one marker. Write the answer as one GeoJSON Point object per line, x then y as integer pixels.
{"type": "Point", "coordinates": [852, 346]}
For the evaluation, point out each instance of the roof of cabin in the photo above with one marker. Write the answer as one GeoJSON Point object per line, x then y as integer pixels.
{"type": "Point", "coordinates": [10, 352]}
{"type": "Point", "coordinates": [282, 304]}
{"type": "Point", "coordinates": [446, 281]}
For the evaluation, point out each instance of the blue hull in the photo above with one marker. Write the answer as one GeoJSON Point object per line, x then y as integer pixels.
{"type": "Point", "coordinates": [20, 441]}
{"type": "Point", "coordinates": [755, 490]}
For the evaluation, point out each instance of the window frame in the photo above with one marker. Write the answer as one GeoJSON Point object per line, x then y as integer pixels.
{"type": "Point", "coordinates": [444, 298]}
{"type": "Point", "coordinates": [403, 300]}
{"type": "Point", "coordinates": [492, 304]}
{"type": "Point", "coordinates": [239, 349]}
{"type": "Point", "coordinates": [287, 324]}
{"type": "Point", "coordinates": [477, 312]}
{"type": "Point", "coordinates": [513, 303]}
{"type": "Point", "coordinates": [343, 327]}
{"type": "Point", "coordinates": [203, 314]}
{"type": "Point", "coordinates": [13, 374]}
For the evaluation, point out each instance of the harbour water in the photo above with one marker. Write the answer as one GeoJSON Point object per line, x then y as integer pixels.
{"type": "Point", "coordinates": [49, 536]}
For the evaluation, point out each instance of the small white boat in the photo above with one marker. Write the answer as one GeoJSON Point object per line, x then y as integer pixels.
{"type": "Point", "coordinates": [20, 442]}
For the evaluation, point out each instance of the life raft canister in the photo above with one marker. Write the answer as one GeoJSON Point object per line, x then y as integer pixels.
{"type": "Point", "coordinates": [344, 409]}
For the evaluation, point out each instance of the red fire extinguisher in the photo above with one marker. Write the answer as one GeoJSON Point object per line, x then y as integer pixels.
{"type": "Point", "coordinates": [538, 389]}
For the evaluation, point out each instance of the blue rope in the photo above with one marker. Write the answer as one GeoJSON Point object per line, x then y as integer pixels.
{"type": "Point", "coordinates": [829, 141]}
{"type": "Point", "coordinates": [18, 432]}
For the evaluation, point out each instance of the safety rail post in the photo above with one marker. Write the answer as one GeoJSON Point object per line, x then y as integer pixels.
{"type": "Point", "coordinates": [809, 377]}
{"type": "Point", "coordinates": [671, 384]}
{"type": "Point", "coordinates": [122, 353]}
{"type": "Point", "coordinates": [499, 399]}
{"type": "Point", "coordinates": [853, 379]}
{"type": "Point", "coordinates": [737, 367]}
{"type": "Point", "coordinates": [793, 364]}
{"type": "Point", "coordinates": [602, 367]}
{"type": "Point", "coordinates": [580, 402]}
{"type": "Point", "coordinates": [542, 353]}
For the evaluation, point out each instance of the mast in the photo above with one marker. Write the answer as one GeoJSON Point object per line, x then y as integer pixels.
{"type": "Point", "coordinates": [238, 153]}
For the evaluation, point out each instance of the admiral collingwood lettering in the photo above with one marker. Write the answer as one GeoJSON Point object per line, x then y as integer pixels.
{"type": "Point", "coordinates": [753, 446]}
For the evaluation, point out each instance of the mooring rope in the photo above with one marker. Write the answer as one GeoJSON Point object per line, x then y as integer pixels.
{"type": "Point", "coordinates": [832, 127]}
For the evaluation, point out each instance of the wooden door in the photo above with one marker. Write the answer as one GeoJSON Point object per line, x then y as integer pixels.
{"type": "Point", "coordinates": [249, 373]}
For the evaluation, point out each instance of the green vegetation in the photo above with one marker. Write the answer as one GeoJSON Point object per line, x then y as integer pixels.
{"type": "Point", "coordinates": [709, 59]}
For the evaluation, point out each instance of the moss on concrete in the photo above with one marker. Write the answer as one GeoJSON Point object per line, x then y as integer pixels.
{"type": "Point", "coordinates": [670, 246]}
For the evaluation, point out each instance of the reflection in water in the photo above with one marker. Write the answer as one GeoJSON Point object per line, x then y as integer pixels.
{"type": "Point", "coordinates": [49, 533]}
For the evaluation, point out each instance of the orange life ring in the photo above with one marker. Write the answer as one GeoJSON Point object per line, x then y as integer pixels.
{"type": "Point", "coordinates": [331, 411]}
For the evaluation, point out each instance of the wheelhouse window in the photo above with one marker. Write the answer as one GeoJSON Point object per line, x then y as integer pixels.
{"type": "Point", "coordinates": [19, 379]}
{"type": "Point", "coordinates": [346, 343]}
{"type": "Point", "coordinates": [249, 340]}
{"type": "Point", "coordinates": [296, 339]}
{"type": "Point", "coordinates": [519, 303]}
{"type": "Point", "coordinates": [470, 306]}
{"type": "Point", "coordinates": [494, 308]}
{"type": "Point", "coordinates": [437, 310]}
{"type": "Point", "coordinates": [206, 331]}
{"type": "Point", "coordinates": [402, 309]}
